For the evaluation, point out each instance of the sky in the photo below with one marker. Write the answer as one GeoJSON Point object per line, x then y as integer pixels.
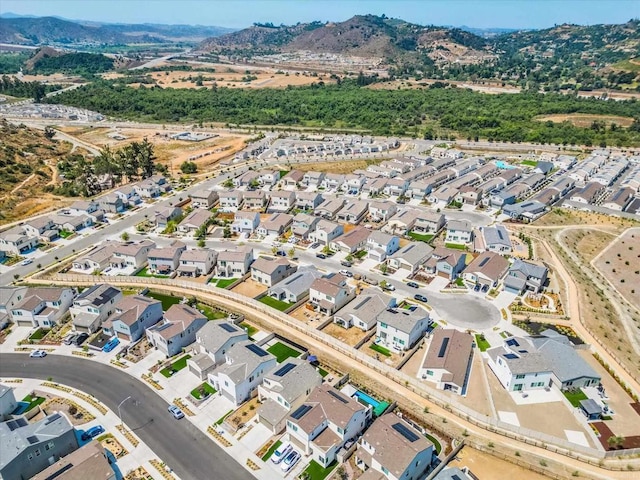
{"type": "Point", "coordinates": [242, 13]}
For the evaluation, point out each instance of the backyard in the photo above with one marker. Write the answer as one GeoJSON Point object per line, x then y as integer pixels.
{"type": "Point", "coordinates": [275, 303]}
{"type": "Point", "coordinates": [282, 351]}
{"type": "Point", "coordinates": [575, 396]}
{"type": "Point", "coordinates": [167, 300]}
{"type": "Point", "coordinates": [421, 237]}
{"type": "Point", "coordinates": [315, 471]}
{"type": "Point", "coordinates": [210, 312]}
{"type": "Point", "coordinates": [145, 273]}
{"type": "Point", "coordinates": [224, 282]}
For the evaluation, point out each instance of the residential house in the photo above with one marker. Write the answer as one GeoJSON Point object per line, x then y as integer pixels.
{"type": "Point", "coordinates": [447, 361]}
{"type": "Point", "coordinates": [428, 223]}
{"type": "Point", "coordinates": [283, 390]}
{"type": "Point", "coordinates": [329, 294]}
{"type": "Point", "coordinates": [375, 186]}
{"type": "Point", "coordinates": [128, 195]}
{"type": "Point", "coordinates": [308, 200]}
{"type": "Point", "coordinates": [132, 316]}
{"type": "Point", "coordinates": [352, 241]}
{"type": "Point", "coordinates": [71, 223]}
{"type": "Point", "coordinates": [353, 183]}
{"type": "Point", "coordinates": [313, 179]}
{"type": "Point", "coordinates": [486, 270]}
{"type": "Point", "coordinates": [42, 306]}
{"type": "Point", "coordinates": [333, 181]}
{"type": "Point", "coordinates": [178, 329]}
{"type": "Point", "coordinates": [446, 262]}
{"type": "Point", "coordinates": [42, 228]}
{"type": "Point", "coordinates": [96, 259]}
{"type": "Point", "coordinates": [410, 257]}
{"type": "Point", "coordinates": [84, 206]}
{"type": "Point", "coordinates": [196, 262]}
{"type": "Point", "coordinates": [230, 201]}
{"type": "Point", "coordinates": [16, 241]}
{"type": "Point", "coordinates": [469, 195]}
{"type": "Point", "coordinates": [403, 221]}
{"type": "Point", "coordinates": [166, 215]}
{"type": "Point", "coordinates": [543, 168]}
{"type": "Point", "coordinates": [245, 222]}
{"type": "Point", "coordinates": [29, 448]}
{"type": "Point", "coordinates": [564, 162]}
{"type": "Point", "coordinates": [295, 287]}
{"type": "Point", "coordinates": [380, 245]}
{"type": "Point", "coordinates": [364, 311]}
{"type": "Point", "coordinates": [111, 203]}
{"type": "Point", "coordinates": [8, 403]}
{"type": "Point", "coordinates": [254, 200]}
{"type": "Point", "coordinates": [324, 422]}
{"type": "Point", "coordinates": [400, 329]}
{"type": "Point", "coordinates": [93, 306]}
{"type": "Point", "coordinates": [326, 232]}
{"type": "Point", "coordinates": [277, 224]}
{"type": "Point", "coordinates": [459, 232]}
{"type": "Point", "coordinates": [496, 239]}
{"type": "Point", "coordinates": [165, 260]}
{"type": "Point", "coordinates": [419, 189]}
{"type": "Point", "coordinates": [213, 341]}
{"type": "Point", "coordinates": [329, 208]}
{"type": "Point", "coordinates": [396, 187]}
{"type": "Point", "coordinates": [161, 182]}
{"type": "Point", "coordinates": [443, 196]}
{"type": "Point", "coordinates": [197, 219]}
{"type": "Point", "coordinates": [9, 298]}
{"type": "Point", "coordinates": [619, 199]}
{"type": "Point", "coordinates": [589, 193]}
{"type": "Point", "coordinates": [391, 449]}
{"type": "Point", "coordinates": [269, 177]}
{"type": "Point", "coordinates": [381, 211]}
{"type": "Point", "coordinates": [400, 167]}
{"type": "Point", "coordinates": [353, 212]}
{"type": "Point", "coordinates": [90, 459]}
{"type": "Point", "coordinates": [281, 201]}
{"type": "Point", "coordinates": [303, 225]}
{"type": "Point", "coordinates": [247, 179]}
{"type": "Point", "coordinates": [526, 211]}
{"type": "Point", "coordinates": [524, 276]}
{"type": "Point", "coordinates": [148, 189]}
{"type": "Point", "coordinates": [245, 366]}
{"type": "Point", "coordinates": [269, 271]}
{"type": "Point", "coordinates": [293, 178]}
{"type": "Point", "coordinates": [382, 171]}
{"type": "Point", "coordinates": [234, 263]}
{"type": "Point", "coordinates": [131, 254]}
{"type": "Point", "coordinates": [202, 198]}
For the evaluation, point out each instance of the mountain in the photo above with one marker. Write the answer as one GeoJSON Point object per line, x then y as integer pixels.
{"type": "Point", "coordinates": [54, 30]}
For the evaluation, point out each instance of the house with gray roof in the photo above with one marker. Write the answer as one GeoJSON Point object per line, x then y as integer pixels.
{"type": "Point", "coordinates": [177, 330]}
{"type": "Point", "coordinates": [496, 239]}
{"type": "Point", "coordinates": [230, 201]}
{"type": "Point", "coordinates": [213, 341]}
{"type": "Point", "coordinates": [281, 201]}
{"type": "Point", "coordinates": [8, 402]}
{"type": "Point", "coordinates": [89, 461]}
{"type": "Point", "coordinates": [525, 275]}
{"type": "Point", "coordinates": [380, 245]}
{"type": "Point", "coordinates": [254, 200]}
{"type": "Point", "coordinates": [9, 298]}
{"type": "Point", "coordinates": [165, 215]}
{"type": "Point", "coordinates": [234, 263]}
{"type": "Point", "coordinates": [326, 231]}
{"type": "Point", "coordinates": [308, 200]}
{"type": "Point", "coordinates": [96, 259]}
{"type": "Point", "coordinates": [293, 178]}
{"type": "Point", "coordinates": [410, 257]}
{"type": "Point", "coordinates": [28, 448]}
{"type": "Point", "coordinates": [197, 219]}
{"type": "Point", "coordinates": [447, 360]}
{"type": "Point", "coordinates": [202, 198]}
{"type": "Point", "coordinates": [403, 221]}
{"type": "Point", "coordinates": [392, 449]}
{"type": "Point", "coordinates": [364, 310]}
{"type": "Point", "coordinates": [400, 329]}
{"type": "Point", "coordinates": [16, 241]}
{"type": "Point", "coordinates": [276, 224]}
{"type": "Point", "coordinates": [283, 390]}
{"type": "Point", "coordinates": [459, 231]}
{"type": "Point", "coordinates": [313, 179]}
{"type": "Point", "coordinates": [245, 365]}
{"type": "Point", "coordinates": [295, 287]}
{"type": "Point", "coordinates": [428, 223]}
{"type": "Point", "coordinates": [526, 211]}
{"type": "Point", "coordinates": [446, 262]}
{"type": "Point", "coordinates": [132, 316]}
{"type": "Point", "coordinates": [196, 262]}
{"type": "Point", "coordinates": [165, 260]}
{"type": "Point", "coordinates": [131, 254]}
{"type": "Point", "coordinates": [329, 294]}
{"type": "Point", "coordinates": [303, 225]}
{"type": "Point", "coordinates": [329, 208]}
{"type": "Point", "coordinates": [382, 211]}
{"type": "Point", "coordinates": [245, 222]}
{"type": "Point", "coordinates": [269, 271]}
{"type": "Point", "coordinates": [354, 211]}
{"type": "Point", "coordinates": [93, 306]}
{"type": "Point", "coordinates": [351, 241]}
{"type": "Point", "coordinates": [42, 306]}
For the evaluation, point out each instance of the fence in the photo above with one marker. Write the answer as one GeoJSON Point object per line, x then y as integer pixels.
{"type": "Point", "coordinates": [557, 445]}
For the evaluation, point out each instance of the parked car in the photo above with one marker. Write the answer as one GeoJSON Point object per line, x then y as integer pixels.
{"type": "Point", "coordinates": [80, 339]}
{"type": "Point", "coordinates": [69, 339]}
{"type": "Point", "coordinates": [476, 288]}
{"type": "Point", "coordinates": [281, 253]}
{"type": "Point", "coordinates": [389, 287]}
{"type": "Point", "coordinates": [38, 354]}
{"type": "Point", "coordinates": [176, 412]}
{"type": "Point", "coordinates": [314, 245]}
{"type": "Point", "coordinates": [346, 273]}
{"type": "Point", "coordinates": [412, 284]}
{"type": "Point", "coordinates": [93, 432]}
{"type": "Point", "coordinates": [420, 298]}
{"type": "Point", "coordinates": [26, 262]}
{"type": "Point", "coordinates": [346, 263]}
{"type": "Point", "coordinates": [370, 281]}
{"type": "Point", "coordinates": [485, 288]}
{"type": "Point", "coordinates": [281, 452]}
{"type": "Point", "coordinates": [111, 344]}
{"type": "Point", "coordinates": [321, 256]}
{"type": "Point", "coordinates": [290, 461]}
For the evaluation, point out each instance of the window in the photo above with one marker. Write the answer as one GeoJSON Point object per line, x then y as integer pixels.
{"type": "Point", "coordinates": [37, 452]}
{"type": "Point", "coordinates": [519, 377]}
{"type": "Point", "coordinates": [383, 325]}
{"type": "Point", "coordinates": [430, 372]}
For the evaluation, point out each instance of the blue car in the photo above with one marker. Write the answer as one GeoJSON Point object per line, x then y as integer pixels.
{"type": "Point", "coordinates": [93, 432]}
{"type": "Point", "coordinates": [111, 344]}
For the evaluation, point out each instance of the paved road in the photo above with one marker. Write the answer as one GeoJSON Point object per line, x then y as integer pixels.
{"type": "Point", "coordinates": [178, 443]}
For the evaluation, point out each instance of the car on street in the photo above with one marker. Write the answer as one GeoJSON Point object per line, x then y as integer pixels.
{"type": "Point", "coordinates": [80, 339]}
{"type": "Point", "coordinates": [176, 412]}
{"type": "Point", "coordinates": [281, 253]}
{"type": "Point", "coordinates": [389, 287]}
{"type": "Point", "coordinates": [281, 452]}
{"type": "Point", "coordinates": [321, 256]}
{"type": "Point", "coordinates": [346, 273]}
{"type": "Point", "coordinates": [93, 432]}
{"type": "Point", "coordinates": [346, 263]}
{"type": "Point", "coordinates": [420, 298]}
{"type": "Point", "coordinates": [26, 262]}
{"type": "Point", "coordinates": [38, 354]}
{"type": "Point", "coordinates": [290, 461]}
{"type": "Point", "coordinates": [412, 284]}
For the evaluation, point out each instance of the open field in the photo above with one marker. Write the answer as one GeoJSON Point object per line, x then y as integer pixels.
{"type": "Point", "coordinates": [620, 264]}
{"type": "Point", "coordinates": [484, 465]}
{"type": "Point", "coordinates": [585, 120]}
{"type": "Point", "coordinates": [588, 242]}
{"type": "Point", "coordinates": [631, 65]}
{"type": "Point", "coordinates": [337, 167]}
{"type": "Point", "coordinates": [562, 217]}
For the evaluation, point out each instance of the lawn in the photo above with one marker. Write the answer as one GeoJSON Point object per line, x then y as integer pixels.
{"type": "Point", "coordinates": [459, 282]}
{"type": "Point", "coordinates": [39, 334]}
{"type": "Point", "coordinates": [529, 163]}
{"type": "Point", "coordinates": [225, 282]}
{"type": "Point", "coordinates": [323, 373]}
{"type": "Point", "coordinates": [361, 254]}
{"type": "Point", "coordinates": [167, 300]}
{"type": "Point", "coordinates": [315, 471]}
{"type": "Point", "coordinates": [221, 419]}
{"type": "Point", "coordinates": [204, 386]}
{"type": "Point", "coordinates": [380, 349]}
{"type": "Point", "coordinates": [65, 233]}
{"type": "Point", "coordinates": [436, 443]}
{"type": "Point", "coordinates": [175, 366]}
{"type": "Point", "coordinates": [210, 312]}
{"type": "Point", "coordinates": [250, 329]}
{"type": "Point", "coordinates": [455, 246]}
{"type": "Point", "coordinates": [482, 343]}
{"type": "Point", "coordinates": [33, 402]}
{"type": "Point", "coordinates": [282, 351]}
{"type": "Point", "coordinates": [145, 273]}
{"type": "Point", "coordinates": [575, 397]}
{"type": "Point", "coordinates": [273, 448]}
{"type": "Point", "coordinates": [275, 303]}
{"type": "Point", "coordinates": [420, 237]}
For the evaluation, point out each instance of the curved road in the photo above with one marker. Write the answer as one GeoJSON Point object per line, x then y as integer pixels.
{"type": "Point", "coordinates": [179, 444]}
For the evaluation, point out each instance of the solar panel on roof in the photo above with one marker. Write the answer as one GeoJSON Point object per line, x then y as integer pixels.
{"type": "Point", "coordinates": [282, 371]}
{"type": "Point", "coordinates": [512, 342]}
{"type": "Point", "coordinates": [443, 347]}
{"type": "Point", "coordinates": [500, 234]}
{"type": "Point", "coordinates": [257, 350]}
{"type": "Point", "coordinates": [364, 300]}
{"type": "Point", "coordinates": [484, 261]}
{"type": "Point", "coordinates": [32, 439]}
{"type": "Point", "coordinates": [228, 327]}
{"type": "Point", "coordinates": [405, 431]}
{"type": "Point", "coordinates": [52, 418]}
{"type": "Point", "coordinates": [300, 412]}
{"type": "Point", "coordinates": [510, 356]}
{"type": "Point", "coordinates": [337, 396]}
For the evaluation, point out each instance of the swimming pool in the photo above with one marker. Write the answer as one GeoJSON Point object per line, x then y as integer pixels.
{"type": "Point", "coordinates": [378, 407]}
{"type": "Point", "coordinates": [21, 408]}
{"type": "Point", "coordinates": [504, 166]}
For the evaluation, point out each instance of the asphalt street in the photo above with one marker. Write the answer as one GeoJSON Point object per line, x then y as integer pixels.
{"type": "Point", "coordinates": [184, 448]}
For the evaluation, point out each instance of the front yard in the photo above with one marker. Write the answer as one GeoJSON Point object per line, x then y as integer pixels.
{"type": "Point", "coordinates": [481, 342]}
{"type": "Point", "coordinates": [202, 391]}
{"type": "Point", "coordinates": [175, 366]}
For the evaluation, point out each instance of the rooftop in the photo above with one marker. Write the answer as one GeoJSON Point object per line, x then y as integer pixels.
{"type": "Point", "coordinates": [450, 350]}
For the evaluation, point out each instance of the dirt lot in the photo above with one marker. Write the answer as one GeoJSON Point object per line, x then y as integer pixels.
{"type": "Point", "coordinates": [620, 264]}
{"type": "Point", "coordinates": [250, 288]}
{"type": "Point", "coordinates": [561, 217]}
{"type": "Point", "coordinates": [338, 167]}
{"type": "Point", "coordinates": [588, 242]}
{"type": "Point", "coordinates": [583, 120]}
{"type": "Point", "coordinates": [489, 467]}
{"type": "Point", "coordinates": [303, 314]}
{"type": "Point", "coordinates": [350, 336]}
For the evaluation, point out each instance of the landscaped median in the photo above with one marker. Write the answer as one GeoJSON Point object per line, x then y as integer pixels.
{"type": "Point", "coordinates": [203, 391]}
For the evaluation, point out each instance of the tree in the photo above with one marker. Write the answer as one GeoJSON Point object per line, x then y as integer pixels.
{"type": "Point", "coordinates": [124, 237]}
{"type": "Point", "coordinates": [349, 258]}
{"type": "Point", "coordinates": [228, 183]}
{"type": "Point", "coordinates": [291, 252]}
{"type": "Point", "coordinates": [274, 250]}
{"type": "Point", "coordinates": [615, 441]}
{"type": "Point", "coordinates": [147, 158]}
{"type": "Point", "coordinates": [49, 133]}
{"type": "Point", "coordinates": [188, 167]}
{"type": "Point", "coordinates": [326, 249]}
{"type": "Point", "coordinates": [226, 233]}
{"type": "Point", "coordinates": [383, 268]}
{"type": "Point", "coordinates": [201, 243]}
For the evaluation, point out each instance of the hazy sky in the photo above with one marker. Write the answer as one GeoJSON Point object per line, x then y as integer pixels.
{"type": "Point", "coordinates": [242, 13]}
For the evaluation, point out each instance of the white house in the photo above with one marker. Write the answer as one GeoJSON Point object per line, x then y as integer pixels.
{"type": "Point", "coordinates": [410, 257]}
{"type": "Point", "coordinates": [363, 312]}
{"type": "Point", "coordinates": [165, 260]}
{"type": "Point", "coordinates": [197, 219]}
{"type": "Point", "coordinates": [178, 329]}
{"type": "Point", "coordinates": [245, 222]}
{"type": "Point", "coordinates": [496, 239]}
{"type": "Point", "coordinates": [132, 316]}
{"type": "Point", "coordinates": [293, 288]}
{"type": "Point", "coordinates": [281, 201]}
{"type": "Point", "coordinates": [230, 201]}
{"type": "Point", "coordinates": [380, 245]}
{"type": "Point", "coordinates": [213, 341]}
{"type": "Point", "coordinates": [400, 329]}
{"type": "Point", "coordinates": [93, 306]}
{"type": "Point", "coordinates": [234, 263]}
{"type": "Point", "coordinates": [203, 198]}
{"type": "Point", "coordinates": [325, 232]}
{"type": "Point", "coordinates": [42, 306]}
{"type": "Point", "coordinates": [131, 254]}
{"type": "Point", "coordinates": [269, 271]}
{"type": "Point", "coordinates": [196, 262]}
{"type": "Point", "coordinates": [459, 231]}
{"type": "Point", "coordinates": [329, 294]}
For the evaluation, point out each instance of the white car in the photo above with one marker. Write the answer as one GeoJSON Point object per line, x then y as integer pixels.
{"type": "Point", "coordinates": [26, 262]}
{"type": "Point", "coordinates": [176, 412]}
{"type": "Point", "coordinates": [290, 461]}
{"type": "Point", "coordinates": [38, 354]}
{"type": "Point", "coordinates": [281, 452]}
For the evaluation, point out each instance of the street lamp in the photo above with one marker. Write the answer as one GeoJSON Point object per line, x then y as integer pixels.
{"type": "Point", "coordinates": [119, 405]}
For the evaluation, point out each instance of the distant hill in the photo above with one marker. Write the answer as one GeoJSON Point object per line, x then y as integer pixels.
{"type": "Point", "coordinates": [58, 31]}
